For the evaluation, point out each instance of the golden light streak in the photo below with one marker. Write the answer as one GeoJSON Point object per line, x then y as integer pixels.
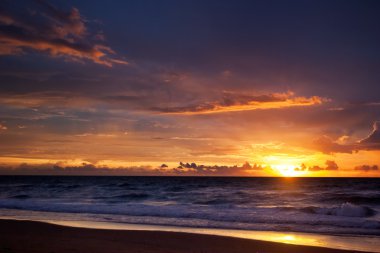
{"type": "Point", "coordinates": [254, 105]}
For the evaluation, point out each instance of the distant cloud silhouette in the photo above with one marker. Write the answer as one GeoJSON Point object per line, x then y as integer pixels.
{"type": "Point", "coordinates": [315, 168]}
{"type": "Point", "coordinates": [184, 169]}
{"type": "Point", "coordinates": [330, 165]}
{"type": "Point", "coordinates": [84, 169]}
{"type": "Point", "coordinates": [207, 170]}
{"type": "Point", "coordinates": [367, 168]}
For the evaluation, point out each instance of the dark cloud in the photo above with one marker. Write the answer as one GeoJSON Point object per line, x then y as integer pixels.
{"type": "Point", "coordinates": [83, 169]}
{"type": "Point", "coordinates": [217, 170]}
{"type": "Point", "coordinates": [42, 27]}
{"type": "Point", "coordinates": [315, 168]}
{"type": "Point", "coordinates": [185, 169]}
{"type": "Point", "coordinates": [330, 165]}
{"type": "Point", "coordinates": [374, 137]}
{"type": "Point", "coordinates": [303, 167]}
{"type": "Point", "coordinates": [367, 168]}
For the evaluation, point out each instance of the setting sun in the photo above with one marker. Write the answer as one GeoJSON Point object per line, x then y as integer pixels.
{"type": "Point", "coordinates": [289, 170]}
{"type": "Point", "coordinates": [286, 166]}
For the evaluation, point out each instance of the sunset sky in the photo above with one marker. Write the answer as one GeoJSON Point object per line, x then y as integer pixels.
{"type": "Point", "coordinates": [136, 87]}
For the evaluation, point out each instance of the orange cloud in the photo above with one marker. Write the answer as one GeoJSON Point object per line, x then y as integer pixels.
{"type": "Point", "coordinates": [53, 31]}
{"type": "Point", "coordinates": [234, 102]}
{"type": "Point", "coordinates": [329, 146]}
{"type": "Point", "coordinates": [3, 128]}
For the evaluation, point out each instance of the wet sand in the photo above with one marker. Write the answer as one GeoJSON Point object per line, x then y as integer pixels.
{"type": "Point", "coordinates": [37, 237]}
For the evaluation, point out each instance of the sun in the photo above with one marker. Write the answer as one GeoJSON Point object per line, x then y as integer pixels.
{"type": "Point", "coordinates": [288, 170]}
{"type": "Point", "coordinates": [285, 166]}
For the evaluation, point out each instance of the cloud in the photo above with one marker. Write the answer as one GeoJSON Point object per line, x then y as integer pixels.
{"type": "Point", "coordinates": [144, 101]}
{"type": "Point", "coordinates": [374, 137]}
{"type": "Point", "coordinates": [216, 170]}
{"type": "Point", "coordinates": [330, 165]}
{"type": "Point", "coordinates": [185, 169]}
{"type": "Point", "coordinates": [315, 168]}
{"type": "Point", "coordinates": [232, 102]}
{"type": "Point", "coordinates": [367, 168]}
{"type": "Point", "coordinates": [3, 128]}
{"type": "Point", "coordinates": [329, 146]}
{"type": "Point", "coordinates": [83, 169]}
{"type": "Point", "coordinates": [303, 167]}
{"type": "Point", "coordinates": [44, 28]}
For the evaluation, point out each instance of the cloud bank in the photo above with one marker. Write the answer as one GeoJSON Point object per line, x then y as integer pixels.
{"type": "Point", "coordinates": [184, 169]}
{"type": "Point", "coordinates": [193, 168]}
{"type": "Point", "coordinates": [330, 165]}
{"type": "Point", "coordinates": [367, 168]}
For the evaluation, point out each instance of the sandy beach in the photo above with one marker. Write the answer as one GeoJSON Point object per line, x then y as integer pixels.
{"type": "Point", "coordinates": [38, 237]}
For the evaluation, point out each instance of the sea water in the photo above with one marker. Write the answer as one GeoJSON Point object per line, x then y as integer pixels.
{"type": "Point", "coordinates": [344, 206]}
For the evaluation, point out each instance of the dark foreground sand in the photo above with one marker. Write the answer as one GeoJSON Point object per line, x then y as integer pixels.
{"type": "Point", "coordinates": [30, 236]}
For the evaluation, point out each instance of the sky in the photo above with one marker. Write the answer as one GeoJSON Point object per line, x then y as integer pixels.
{"type": "Point", "coordinates": [242, 88]}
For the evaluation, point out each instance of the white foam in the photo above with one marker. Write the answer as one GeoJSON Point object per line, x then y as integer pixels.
{"type": "Point", "coordinates": [347, 210]}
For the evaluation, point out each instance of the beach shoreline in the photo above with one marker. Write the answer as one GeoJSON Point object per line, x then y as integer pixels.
{"type": "Point", "coordinates": [34, 236]}
{"type": "Point", "coordinates": [367, 243]}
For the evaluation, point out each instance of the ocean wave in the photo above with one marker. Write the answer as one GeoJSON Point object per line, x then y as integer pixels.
{"type": "Point", "coordinates": [332, 226]}
{"type": "Point", "coordinates": [122, 184]}
{"type": "Point", "coordinates": [24, 185]}
{"type": "Point", "coordinates": [72, 186]}
{"type": "Point", "coordinates": [263, 203]}
{"type": "Point", "coordinates": [175, 189]}
{"type": "Point", "coordinates": [355, 199]}
{"type": "Point", "coordinates": [345, 216]}
{"type": "Point", "coordinates": [125, 196]}
{"type": "Point", "coordinates": [20, 196]}
{"type": "Point", "coordinates": [347, 209]}
{"type": "Point", "coordinates": [217, 201]}
{"type": "Point", "coordinates": [132, 196]}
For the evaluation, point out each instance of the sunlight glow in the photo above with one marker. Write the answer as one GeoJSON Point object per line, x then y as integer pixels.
{"type": "Point", "coordinates": [288, 170]}
{"type": "Point", "coordinates": [286, 166]}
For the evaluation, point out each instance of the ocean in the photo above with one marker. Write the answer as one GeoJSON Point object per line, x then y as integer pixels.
{"type": "Point", "coordinates": [344, 206]}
